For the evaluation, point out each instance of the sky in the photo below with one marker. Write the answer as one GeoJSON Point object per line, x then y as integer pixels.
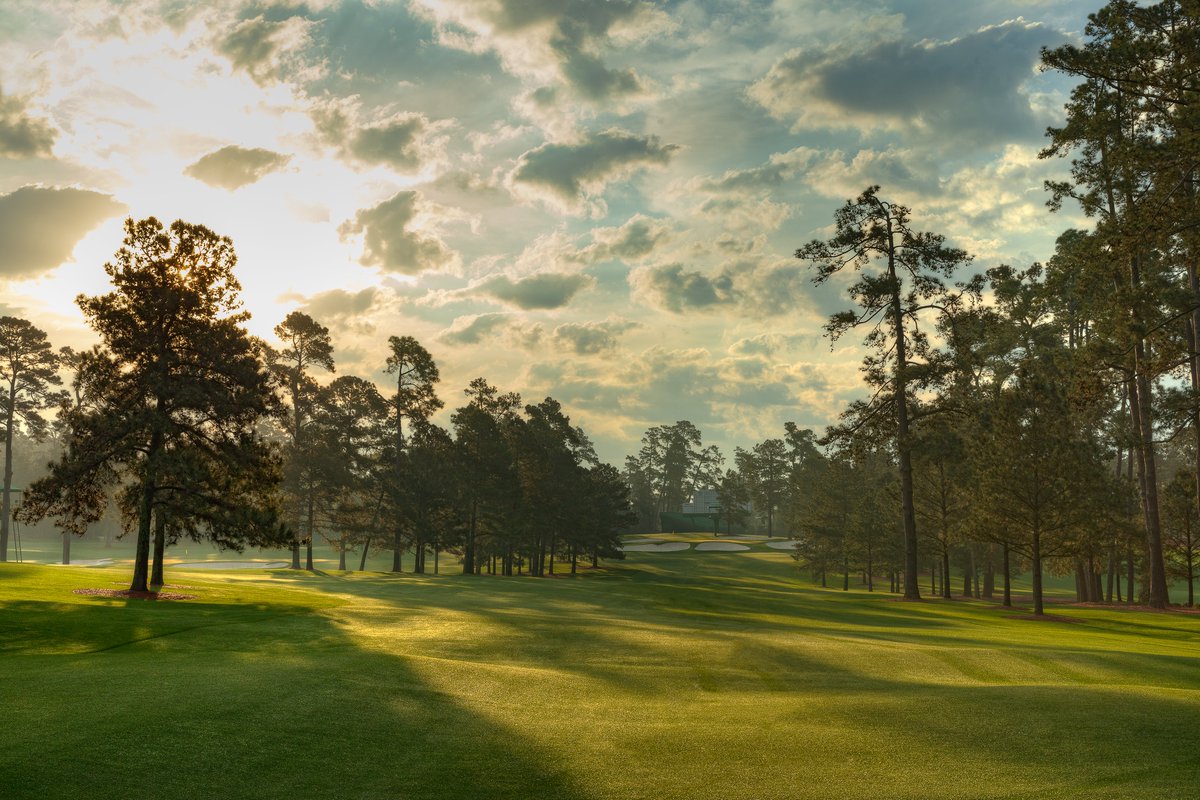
{"type": "Point", "coordinates": [595, 200]}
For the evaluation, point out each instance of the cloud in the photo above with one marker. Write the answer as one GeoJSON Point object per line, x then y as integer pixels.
{"type": "Point", "coordinates": [755, 181]}
{"type": "Point", "coordinates": [395, 143]}
{"type": "Point", "coordinates": [390, 240]}
{"type": "Point", "coordinates": [260, 46]}
{"type": "Point", "coordinates": [571, 174]}
{"type": "Point", "coordinates": [753, 285]}
{"type": "Point", "coordinates": [336, 305]}
{"type": "Point", "coordinates": [405, 142]}
{"type": "Point", "coordinates": [767, 344]}
{"type": "Point", "coordinates": [561, 42]}
{"type": "Point", "coordinates": [676, 289]}
{"type": "Point", "coordinates": [578, 338]}
{"type": "Point", "coordinates": [591, 338]}
{"type": "Point", "coordinates": [233, 167]}
{"type": "Point", "coordinates": [967, 89]}
{"type": "Point", "coordinates": [40, 226]}
{"type": "Point", "coordinates": [541, 291]}
{"type": "Point", "coordinates": [474, 329]}
{"type": "Point", "coordinates": [22, 135]}
{"type": "Point", "coordinates": [638, 238]}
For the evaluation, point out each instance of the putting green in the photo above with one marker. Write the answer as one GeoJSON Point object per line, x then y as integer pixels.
{"type": "Point", "coordinates": [671, 675]}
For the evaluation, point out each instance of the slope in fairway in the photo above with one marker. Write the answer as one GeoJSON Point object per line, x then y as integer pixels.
{"type": "Point", "coordinates": [673, 675]}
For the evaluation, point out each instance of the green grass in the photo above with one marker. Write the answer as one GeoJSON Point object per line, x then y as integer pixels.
{"type": "Point", "coordinates": [673, 675]}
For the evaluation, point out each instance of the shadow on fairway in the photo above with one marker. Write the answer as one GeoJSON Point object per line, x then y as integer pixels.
{"type": "Point", "coordinates": [201, 700]}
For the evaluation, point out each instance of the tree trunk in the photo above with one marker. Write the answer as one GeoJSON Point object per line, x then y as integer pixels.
{"type": "Point", "coordinates": [141, 558]}
{"type": "Point", "coordinates": [160, 547]}
{"type": "Point", "coordinates": [469, 548]}
{"type": "Point", "coordinates": [1037, 574]}
{"type": "Point", "coordinates": [397, 552]}
{"type": "Point", "coordinates": [1110, 573]}
{"type": "Point", "coordinates": [6, 500]}
{"type": "Point", "coordinates": [946, 574]}
{"type": "Point", "coordinates": [1131, 576]}
{"type": "Point", "coordinates": [1156, 568]}
{"type": "Point", "coordinates": [436, 551]}
{"type": "Point", "coordinates": [1007, 578]}
{"type": "Point", "coordinates": [989, 573]}
{"type": "Point", "coordinates": [362, 564]}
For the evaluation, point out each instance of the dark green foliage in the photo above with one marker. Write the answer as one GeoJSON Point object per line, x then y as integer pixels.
{"type": "Point", "coordinates": [182, 395]}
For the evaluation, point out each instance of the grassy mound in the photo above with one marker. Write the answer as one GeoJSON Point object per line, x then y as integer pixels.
{"type": "Point", "coordinates": [672, 675]}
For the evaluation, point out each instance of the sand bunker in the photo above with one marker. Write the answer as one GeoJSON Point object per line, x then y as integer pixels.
{"type": "Point", "coordinates": [231, 565]}
{"type": "Point", "coordinates": [665, 547]}
{"type": "Point", "coordinates": [728, 546]}
{"type": "Point", "coordinates": [87, 562]}
{"type": "Point", "coordinates": [788, 545]}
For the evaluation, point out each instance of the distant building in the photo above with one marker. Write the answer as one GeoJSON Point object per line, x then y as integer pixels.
{"type": "Point", "coordinates": [703, 501]}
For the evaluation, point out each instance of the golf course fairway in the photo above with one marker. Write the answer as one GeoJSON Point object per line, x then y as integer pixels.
{"type": "Point", "coordinates": [682, 674]}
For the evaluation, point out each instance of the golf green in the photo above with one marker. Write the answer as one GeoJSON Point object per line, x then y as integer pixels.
{"type": "Point", "coordinates": [689, 674]}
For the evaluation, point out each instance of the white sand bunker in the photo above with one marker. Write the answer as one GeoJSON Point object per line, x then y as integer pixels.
{"type": "Point", "coordinates": [788, 545]}
{"type": "Point", "coordinates": [231, 565]}
{"type": "Point", "coordinates": [665, 547]}
{"type": "Point", "coordinates": [87, 562]}
{"type": "Point", "coordinates": [728, 546]}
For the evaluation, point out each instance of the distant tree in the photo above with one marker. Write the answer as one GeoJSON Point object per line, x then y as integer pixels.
{"type": "Point", "coordinates": [413, 403]}
{"type": "Point", "coordinates": [1182, 528]}
{"type": "Point", "coordinates": [89, 372]}
{"type": "Point", "coordinates": [734, 498]}
{"type": "Point", "coordinates": [604, 510]}
{"type": "Point", "coordinates": [348, 451]}
{"type": "Point", "coordinates": [765, 468]}
{"type": "Point", "coordinates": [306, 344]}
{"type": "Point", "coordinates": [28, 373]}
{"type": "Point", "coordinates": [901, 276]}
{"type": "Point", "coordinates": [180, 413]}
{"type": "Point", "coordinates": [941, 490]}
{"type": "Point", "coordinates": [1041, 481]}
{"type": "Point", "coordinates": [487, 466]}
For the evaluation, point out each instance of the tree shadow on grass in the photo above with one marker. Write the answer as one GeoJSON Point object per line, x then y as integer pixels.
{"type": "Point", "coordinates": [208, 700]}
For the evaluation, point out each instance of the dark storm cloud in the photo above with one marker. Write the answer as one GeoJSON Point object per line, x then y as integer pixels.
{"type": "Point", "coordinates": [388, 241]}
{"type": "Point", "coordinates": [233, 167]}
{"type": "Point", "coordinates": [40, 226]}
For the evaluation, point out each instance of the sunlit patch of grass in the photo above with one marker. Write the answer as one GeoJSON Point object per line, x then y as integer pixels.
{"type": "Point", "coordinates": [668, 675]}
